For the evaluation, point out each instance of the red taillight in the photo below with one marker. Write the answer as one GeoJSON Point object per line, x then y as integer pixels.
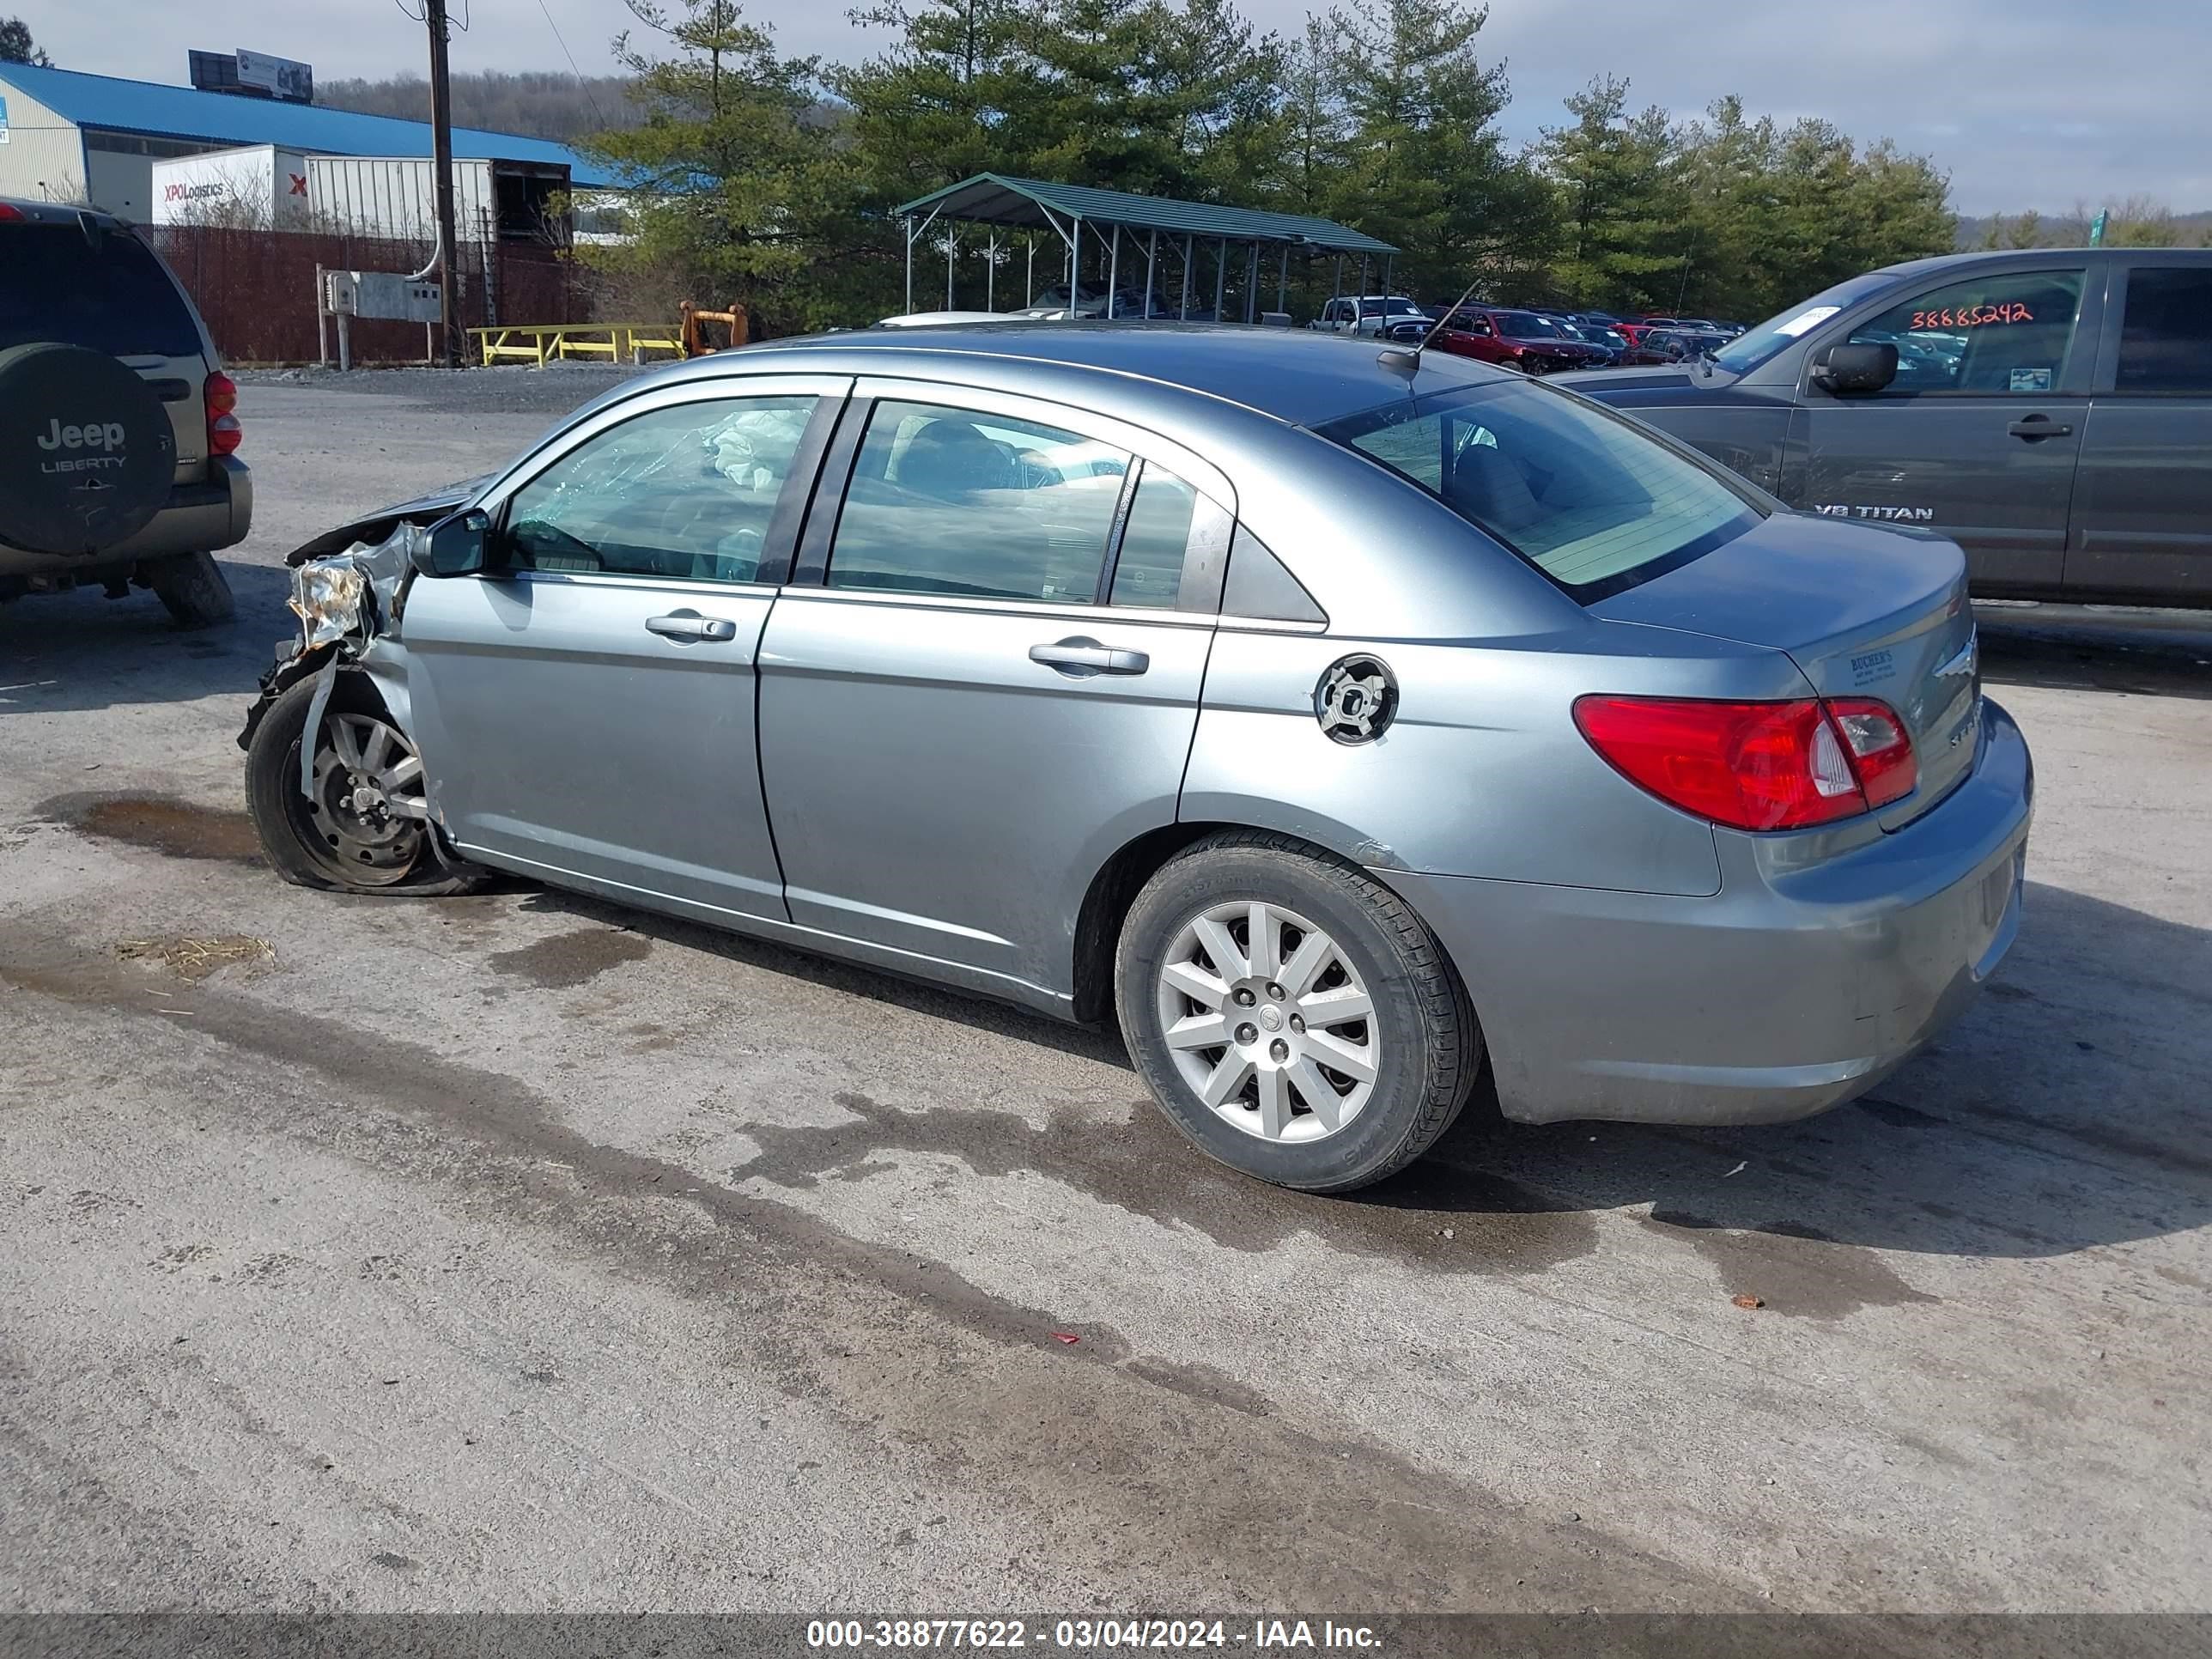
{"type": "Point", "coordinates": [1755, 765]}
{"type": "Point", "coordinates": [222, 429]}
{"type": "Point", "coordinates": [10, 215]}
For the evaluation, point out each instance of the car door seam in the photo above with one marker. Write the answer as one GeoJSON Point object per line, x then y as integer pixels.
{"type": "Point", "coordinates": [760, 755]}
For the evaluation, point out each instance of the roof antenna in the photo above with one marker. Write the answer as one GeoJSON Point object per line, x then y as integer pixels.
{"type": "Point", "coordinates": [1410, 361]}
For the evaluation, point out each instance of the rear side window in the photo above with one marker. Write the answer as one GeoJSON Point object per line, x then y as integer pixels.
{"type": "Point", "coordinates": [957, 502]}
{"type": "Point", "coordinates": [107, 292]}
{"type": "Point", "coordinates": [1576, 491]}
{"type": "Point", "coordinates": [2165, 342]}
{"type": "Point", "coordinates": [1149, 570]}
{"type": "Point", "coordinates": [2001, 335]}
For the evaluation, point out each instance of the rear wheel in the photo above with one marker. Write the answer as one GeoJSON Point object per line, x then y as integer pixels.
{"type": "Point", "coordinates": [365, 828]}
{"type": "Point", "coordinates": [1291, 1015]}
{"type": "Point", "coordinates": [193, 589]}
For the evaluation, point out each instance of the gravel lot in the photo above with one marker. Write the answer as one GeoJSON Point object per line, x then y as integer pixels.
{"type": "Point", "coordinates": [512, 1252]}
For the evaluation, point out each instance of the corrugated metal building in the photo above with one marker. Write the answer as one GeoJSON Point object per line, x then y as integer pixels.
{"type": "Point", "coordinates": [73, 137]}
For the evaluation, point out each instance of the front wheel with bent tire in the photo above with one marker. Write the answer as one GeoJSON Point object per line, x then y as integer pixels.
{"type": "Point", "coordinates": [1291, 1015]}
{"type": "Point", "coordinates": [365, 829]}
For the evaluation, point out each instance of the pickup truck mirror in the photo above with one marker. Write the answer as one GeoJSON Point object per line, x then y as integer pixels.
{"type": "Point", "coordinates": [454, 546]}
{"type": "Point", "coordinates": [1846, 369]}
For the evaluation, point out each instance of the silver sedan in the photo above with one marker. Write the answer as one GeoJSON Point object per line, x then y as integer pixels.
{"type": "Point", "coordinates": [1343, 722]}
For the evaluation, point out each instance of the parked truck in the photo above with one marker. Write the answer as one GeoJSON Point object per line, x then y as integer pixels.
{"type": "Point", "coordinates": [392, 197]}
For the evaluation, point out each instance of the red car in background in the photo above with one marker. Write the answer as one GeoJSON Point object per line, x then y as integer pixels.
{"type": "Point", "coordinates": [1518, 339]}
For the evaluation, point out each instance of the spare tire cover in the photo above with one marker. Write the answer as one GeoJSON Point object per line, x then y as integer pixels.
{"type": "Point", "coordinates": [87, 451]}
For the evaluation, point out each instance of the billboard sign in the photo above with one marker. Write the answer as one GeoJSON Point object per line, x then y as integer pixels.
{"type": "Point", "coordinates": [280, 77]}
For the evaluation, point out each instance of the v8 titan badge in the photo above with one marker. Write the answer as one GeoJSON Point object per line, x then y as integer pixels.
{"type": "Point", "coordinates": [1355, 700]}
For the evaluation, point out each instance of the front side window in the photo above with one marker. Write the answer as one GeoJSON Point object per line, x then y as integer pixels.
{"type": "Point", "coordinates": [2166, 338]}
{"type": "Point", "coordinates": [1578, 492]}
{"type": "Point", "coordinates": [2005, 334]}
{"type": "Point", "coordinates": [684, 492]}
{"type": "Point", "coordinates": [957, 502]}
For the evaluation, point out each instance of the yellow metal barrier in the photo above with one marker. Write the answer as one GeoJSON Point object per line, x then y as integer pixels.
{"type": "Point", "coordinates": [540, 343]}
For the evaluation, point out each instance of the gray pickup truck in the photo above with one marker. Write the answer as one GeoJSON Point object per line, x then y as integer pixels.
{"type": "Point", "coordinates": [2050, 409]}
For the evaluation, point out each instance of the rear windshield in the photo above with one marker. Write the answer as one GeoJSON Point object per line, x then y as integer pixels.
{"type": "Point", "coordinates": [1577, 491]}
{"type": "Point", "coordinates": [107, 292]}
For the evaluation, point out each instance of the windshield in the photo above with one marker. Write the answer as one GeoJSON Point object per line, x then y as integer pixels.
{"type": "Point", "coordinates": [1393, 307]}
{"type": "Point", "coordinates": [1582, 494]}
{"type": "Point", "coordinates": [1526, 325]}
{"type": "Point", "coordinates": [1747, 351]}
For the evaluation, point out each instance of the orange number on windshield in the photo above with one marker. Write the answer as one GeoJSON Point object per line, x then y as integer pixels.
{"type": "Point", "coordinates": [2009, 311]}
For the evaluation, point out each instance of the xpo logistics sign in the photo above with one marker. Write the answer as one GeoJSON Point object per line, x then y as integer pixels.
{"type": "Point", "coordinates": [261, 187]}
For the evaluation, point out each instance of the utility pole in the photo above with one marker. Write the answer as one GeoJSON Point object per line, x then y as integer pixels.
{"type": "Point", "coordinates": [441, 147]}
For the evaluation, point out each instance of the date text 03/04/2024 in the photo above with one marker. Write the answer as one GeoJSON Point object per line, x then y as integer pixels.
{"type": "Point", "coordinates": [1089, 1635]}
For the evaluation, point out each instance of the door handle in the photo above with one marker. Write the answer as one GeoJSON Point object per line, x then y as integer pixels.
{"type": "Point", "coordinates": [691, 625]}
{"type": "Point", "coordinates": [1081, 658]}
{"type": "Point", "coordinates": [2037, 427]}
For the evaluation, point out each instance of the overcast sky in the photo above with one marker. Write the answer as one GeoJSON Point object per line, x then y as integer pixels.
{"type": "Point", "coordinates": [2026, 102]}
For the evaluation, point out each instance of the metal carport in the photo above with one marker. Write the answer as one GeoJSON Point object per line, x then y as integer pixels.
{"type": "Point", "coordinates": [1000, 202]}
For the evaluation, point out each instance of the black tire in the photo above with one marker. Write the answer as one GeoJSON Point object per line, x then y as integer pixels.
{"type": "Point", "coordinates": [87, 451]}
{"type": "Point", "coordinates": [1428, 1044]}
{"type": "Point", "coordinates": [296, 845]}
{"type": "Point", "coordinates": [193, 588]}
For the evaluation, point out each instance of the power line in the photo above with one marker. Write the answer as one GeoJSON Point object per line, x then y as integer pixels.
{"type": "Point", "coordinates": [572, 69]}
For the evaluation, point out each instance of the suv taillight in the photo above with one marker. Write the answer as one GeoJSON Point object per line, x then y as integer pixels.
{"type": "Point", "coordinates": [222, 429]}
{"type": "Point", "coordinates": [1756, 765]}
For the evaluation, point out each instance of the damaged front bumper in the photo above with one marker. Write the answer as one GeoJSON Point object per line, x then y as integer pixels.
{"type": "Point", "coordinates": [348, 604]}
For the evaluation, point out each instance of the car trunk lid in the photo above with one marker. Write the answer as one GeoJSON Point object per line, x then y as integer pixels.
{"type": "Point", "coordinates": [1863, 613]}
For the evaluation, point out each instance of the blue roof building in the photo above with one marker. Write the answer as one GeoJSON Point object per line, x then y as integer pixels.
{"type": "Point", "coordinates": [69, 137]}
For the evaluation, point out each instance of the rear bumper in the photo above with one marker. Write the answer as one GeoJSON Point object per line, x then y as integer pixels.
{"type": "Point", "coordinates": [1789, 992]}
{"type": "Point", "coordinates": [200, 517]}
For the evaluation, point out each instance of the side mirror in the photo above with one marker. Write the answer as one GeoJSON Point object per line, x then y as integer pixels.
{"type": "Point", "coordinates": [1846, 369]}
{"type": "Point", "coordinates": [454, 546]}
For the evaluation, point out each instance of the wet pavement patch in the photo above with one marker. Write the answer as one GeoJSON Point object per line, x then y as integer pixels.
{"type": "Point", "coordinates": [1439, 1216]}
{"type": "Point", "coordinates": [1789, 1267]}
{"type": "Point", "coordinates": [161, 823]}
{"type": "Point", "coordinates": [563, 960]}
{"type": "Point", "coordinates": [1201, 1382]}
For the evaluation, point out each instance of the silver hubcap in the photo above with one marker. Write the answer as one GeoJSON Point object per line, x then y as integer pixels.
{"type": "Point", "coordinates": [1268, 1023]}
{"type": "Point", "coordinates": [368, 809]}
